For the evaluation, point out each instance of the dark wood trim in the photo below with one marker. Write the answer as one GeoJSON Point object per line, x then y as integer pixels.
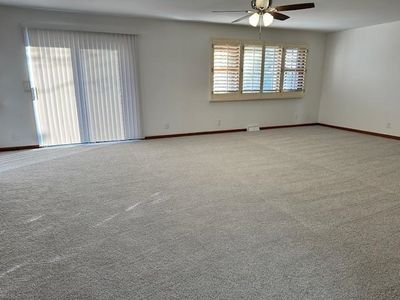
{"type": "Point", "coordinates": [394, 137]}
{"type": "Point", "coordinates": [19, 148]}
{"type": "Point", "coordinates": [222, 131]}
{"type": "Point", "coordinates": [388, 136]}
{"type": "Point", "coordinates": [288, 126]}
{"type": "Point", "coordinates": [153, 137]}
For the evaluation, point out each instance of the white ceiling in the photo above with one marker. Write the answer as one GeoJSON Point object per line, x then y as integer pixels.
{"type": "Point", "coordinates": [329, 15]}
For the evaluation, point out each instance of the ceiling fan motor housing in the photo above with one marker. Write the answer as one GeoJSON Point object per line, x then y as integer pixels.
{"type": "Point", "coordinates": [260, 4]}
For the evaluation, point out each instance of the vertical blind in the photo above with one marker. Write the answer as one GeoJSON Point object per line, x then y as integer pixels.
{"type": "Point", "coordinates": [226, 69]}
{"type": "Point", "coordinates": [53, 80]}
{"type": "Point", "coordinates": [85, 86]}
{"type": "Point", "coordinates": [295, 69]}
{"type": "Point", "coordinates": [252, 68]}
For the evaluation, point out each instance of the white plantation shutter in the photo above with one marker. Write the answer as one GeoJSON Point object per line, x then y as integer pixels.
{"type": "Point", "coordinates": [252, 68]}
{"type": "Point", "coordinates": [226, 69]}
{"type": "Point", "coordinates": [272, 69]}
{"type": "Point", "coordinates": [294, 69]}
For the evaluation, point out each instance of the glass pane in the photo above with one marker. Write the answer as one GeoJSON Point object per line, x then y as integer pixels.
{"type": "Point", "coordinates": [226, 69]}
{"type": "Point", "coordinates": [252, 63]}
{"type": "Point", "coordinates": [272, 69]}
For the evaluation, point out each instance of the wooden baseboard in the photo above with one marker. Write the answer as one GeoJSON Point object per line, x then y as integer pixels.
{"type": "Point", "coordinates": [388, 136]}
{"type": "Point", "coordinates": [394, 137]}
{"type": "Point", "coordinates": [222, 131]}
{"type": "Point", "coordinates": [153, 137]}
{"type": "Point", "coordinates": [19, 148]}
{"type": "Point", "coordinates": [288, 126]}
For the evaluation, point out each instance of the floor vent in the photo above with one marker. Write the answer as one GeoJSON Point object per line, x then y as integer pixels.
{"type": "Point", "coordinates": [252, 128]}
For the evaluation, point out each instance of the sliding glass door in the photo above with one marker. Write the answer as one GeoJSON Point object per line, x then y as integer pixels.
{"type": "Point", "coordinates": [84, 86]}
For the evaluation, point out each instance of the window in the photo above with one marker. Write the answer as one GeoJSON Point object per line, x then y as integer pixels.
{"type": "Point", "coordinates": [252, 65]}
{"type": "Point", "coordinates": [272, 69]}
{"type": "Point", "coordinates": [246, 70]}
{"type": "Point", "coordinates": [295, 69]}
{"type": "Point", "coordinates": [226, 69]}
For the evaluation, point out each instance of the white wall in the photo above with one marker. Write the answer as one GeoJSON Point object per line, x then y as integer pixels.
{"type": "Point", "coordinates": [174, 75]}
{"type": "Point", "coordinates": [361, 87]}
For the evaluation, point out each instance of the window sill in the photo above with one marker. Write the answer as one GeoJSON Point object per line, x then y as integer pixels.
{"type": "Point", "coordinates": [254, 97]}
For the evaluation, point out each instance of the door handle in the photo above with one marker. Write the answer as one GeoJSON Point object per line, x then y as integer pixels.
{"type": "Point", "coordinates": [34, 92]}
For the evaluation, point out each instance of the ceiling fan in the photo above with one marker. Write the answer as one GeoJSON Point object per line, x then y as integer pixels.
{"type": "Point", "coordinates": [264, 13]}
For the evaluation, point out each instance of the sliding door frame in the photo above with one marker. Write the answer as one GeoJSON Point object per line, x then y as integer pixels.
{"type": "Point", "coordinates": [80, 90]}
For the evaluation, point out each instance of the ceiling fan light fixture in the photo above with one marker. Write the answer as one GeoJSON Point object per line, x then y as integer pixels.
{"type": "Point", "coordinates": [267, 19]}
{"type": "Point", "coordinates": [254, 20]}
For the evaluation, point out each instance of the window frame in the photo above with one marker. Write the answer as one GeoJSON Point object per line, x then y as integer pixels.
{"type": "Point", "coordinates": [240, 96]}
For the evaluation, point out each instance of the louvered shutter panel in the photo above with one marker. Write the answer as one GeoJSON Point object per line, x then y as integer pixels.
{"type": "Point", "coordinates": [252, 68]}
{"type": "Point", "coordinates": [226, 69]}
{"type": "Point", "coordinates": [295, 69]}
{"type": "Point", "coordinates": [272, 69]}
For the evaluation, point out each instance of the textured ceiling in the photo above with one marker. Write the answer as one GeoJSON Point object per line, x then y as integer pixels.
{"type": "Point", "coordinates": [329, 15]}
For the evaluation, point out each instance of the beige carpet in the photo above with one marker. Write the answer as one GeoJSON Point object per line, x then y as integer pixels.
{"type": "Point", "coordinates": [301, 213]}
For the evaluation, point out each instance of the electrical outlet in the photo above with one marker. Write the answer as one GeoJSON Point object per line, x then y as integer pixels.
{"type": "Point", "coordinates": [166, 126]}
{"type": "Point", "coordinates": [389, 125]}
{"type": "Point", "coordinates": [219, 123]}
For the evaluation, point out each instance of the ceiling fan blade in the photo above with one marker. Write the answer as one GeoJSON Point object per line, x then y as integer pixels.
{"type": "Point", "coordinates": [240, 19]}
{"type": "Point", "coordinates": [295, 6]}
{"type": "Point", "coordinates": [279, 16]}
{"type": "Point", "coordinates": [230, 11]}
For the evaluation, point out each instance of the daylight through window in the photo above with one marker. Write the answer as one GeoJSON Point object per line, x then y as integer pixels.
{"type": "Point", "coordinates": [244, 70]}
